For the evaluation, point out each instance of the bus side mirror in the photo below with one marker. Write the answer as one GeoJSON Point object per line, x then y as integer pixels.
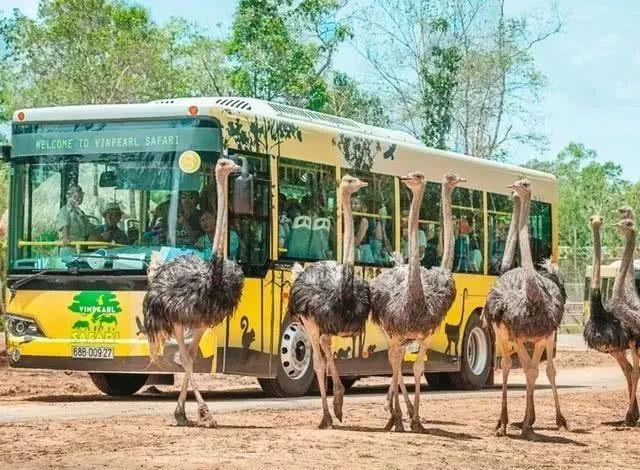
{"type": "Point", "coordinates": [108, 179]}
{"type": "Point", "coordinates": [6, 153]}
{"type": "Point", "coordinates": [242, 197]}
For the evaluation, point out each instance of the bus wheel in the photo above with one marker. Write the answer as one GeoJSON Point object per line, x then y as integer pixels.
{"type": "Point", "coordinates": [477, 354]}
{"type": "Point", "coordinates": [119, 385]}
{"type": "Point", "coordinates": [295, 373]}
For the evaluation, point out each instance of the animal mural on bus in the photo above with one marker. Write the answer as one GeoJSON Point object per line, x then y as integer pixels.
{"type": "Point", "coordinates": [248, 336]}
{"type": "Point", "coordinates": [409, 302]}
{"type": "Point", "coordinates": [360, 152]}
{"type": "Point", "coordinates": [330, 300]}
{"type": "Point", "coordinates": [526, 306]}
{"type": "Point", "coordinates": [99, 311]}
{"type": "Point", "coordinates": [452, 330]}
{"type": "Point", "coordinates": [260, 135]}
{"type": "Point", "coordinates": [190, 293]}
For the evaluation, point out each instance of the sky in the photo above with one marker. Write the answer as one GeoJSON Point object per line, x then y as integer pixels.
{"type": "Point", "coordinates": [592, 67]}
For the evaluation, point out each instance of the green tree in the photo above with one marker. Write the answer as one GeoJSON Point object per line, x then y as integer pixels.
{"type": "Point", "coordinates": [91, 51]}
{"type": "Point", "coordinates": [281, 49]}
{"type": "Point", "coordinates": [347, 99]}
{"type": "Point", "coordinates": [587, 186]}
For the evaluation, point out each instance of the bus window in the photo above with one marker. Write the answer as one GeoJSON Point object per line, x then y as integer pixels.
{"type": "Point", "coordinates": [468, 229]}
{"type": "Point", "coordinates": [248, 234]}
{"type": "Point", "coordinates": [373, 216]}
{"type": "Point", "coordinates": [540, 231]}
{"type": "Point", "coordinates": [499, 218]}
{"type": "Point", "coordinates": [307, 211]}
{"type": "Point", "coordinates": [429, 234]}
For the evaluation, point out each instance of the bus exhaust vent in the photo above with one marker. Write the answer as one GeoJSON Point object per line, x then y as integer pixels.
{"type": "Point", "coordinates": [234, 103]}
{"type": "Point", "coordinates": [313, 116]}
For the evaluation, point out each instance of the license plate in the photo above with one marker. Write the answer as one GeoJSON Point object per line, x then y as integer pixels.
{"type": "Point", "coordinates": [91, 352]}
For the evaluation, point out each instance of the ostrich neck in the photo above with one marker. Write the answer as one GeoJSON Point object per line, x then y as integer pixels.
{"type": "Point", "coordinates": [348, 242]}
{"type": "Point", "coordinates": [221, 216]}
{"type": "Point", "coordinates": [447, 229]}
{"type": "Point", "coordinates": [512, 237]}
{"type": "Point", "coordinates": [523, 234]}
{"type": "Point", "coordinates": [627, 257]}
{"type": "Point", "coordinates": [415, 283]}
{"type": "Point", "coordinates": [595, 275]}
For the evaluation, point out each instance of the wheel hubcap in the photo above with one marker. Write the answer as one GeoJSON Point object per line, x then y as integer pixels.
{"type": "Point", "coordinates": [477, 351]}
{"type": "Point", "coordinates": [295, 351]}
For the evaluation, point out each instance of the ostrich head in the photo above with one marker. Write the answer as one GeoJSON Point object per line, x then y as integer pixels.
{"type": "Point", "coordinates": [414, 180]}
{"type": "Point", "coordinates": [627, 227]}
{"type": "Point", "coordinates": [451, 180]}
{"type": "Point", "coordinates": [224, 167]}
{"type": "Point", "coordinates": [521, 187]}
{"type": "Point", "coordinates": [351, 184]}
{"type": "Point", "coordinates": [626, 212]}
{"type": "Point", "coordinates": [595, 221]}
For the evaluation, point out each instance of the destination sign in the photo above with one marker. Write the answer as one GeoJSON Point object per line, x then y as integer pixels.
{"type": "Point", "coordinates": [115, 141]}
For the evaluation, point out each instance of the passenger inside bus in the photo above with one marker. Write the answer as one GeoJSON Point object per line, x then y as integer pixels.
{"type": "Point", "coordinates": [109, 231]}
{"type": "Point", "coordinates": [205, 241]}
{"type": "Point", "coordinates": [368, 234]}
{"type": "Point", "coordinates": [468, 253]}
{"type": "Point", "coordinates": [71, 222]}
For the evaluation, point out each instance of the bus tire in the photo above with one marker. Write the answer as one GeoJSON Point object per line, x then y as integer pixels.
{"type": "Point", "coordinates": [477, 356]}
{"type": "Point", "coordinates": [294, 363]}
{"type": "Point", "coordinates": [119, 385]}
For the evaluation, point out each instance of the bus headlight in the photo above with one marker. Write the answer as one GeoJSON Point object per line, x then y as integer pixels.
{"type": "Point", "coordinates": [21, 326]}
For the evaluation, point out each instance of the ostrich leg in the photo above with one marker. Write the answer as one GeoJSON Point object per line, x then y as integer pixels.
{"type": "Point", "coordinates": [530, 365]}
{"type": "Point", "coordinates": [338, 388]}
{"type": "Point", "coordinates": [632, 412]}
{"type": "Point", "coordinates": [418, 371]}
{"type": "Point", "coordinates": [395, 359]}
{"type": "Point", "coordinates": [320, 366]}
{"type": "Point", "coordinates": [635, 375]}
{"type": "Point", "coordinates": [507, 350]}
{"type": "Point", "coordinates": [551, 375]}
{"type": "Point", "coordinates": [204, 416]}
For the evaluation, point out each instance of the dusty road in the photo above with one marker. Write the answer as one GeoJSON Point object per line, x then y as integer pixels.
{"type": "Point", "coordinates": [51, 420]}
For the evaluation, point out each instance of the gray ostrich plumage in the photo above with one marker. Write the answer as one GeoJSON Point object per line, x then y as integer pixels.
{"type": "Point", "coordinates": [188, 292]}
{"type": "Point", "coordinates": [331, 301]}
{"type": "Point", "coordinates": [409, 302]}
{"type": "Point", "coordinates": [606, 329]}
{"type": "Point", "coordinates": [528, 303]}
{"type": "Point", "coordinates": [526, 306]}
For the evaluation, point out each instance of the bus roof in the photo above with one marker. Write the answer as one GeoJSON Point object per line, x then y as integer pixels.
{"type": "Point", "coordinates": [178, 107]}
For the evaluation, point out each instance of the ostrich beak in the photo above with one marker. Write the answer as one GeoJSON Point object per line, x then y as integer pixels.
{"type": "Point", "coordinates": [511, 186]}
{"type": "Point", "coordinates": [236, 168]}
{"type": "Point", "coordinates": [405, 178]}
{"type": "Point", "coordinates": [363, 184]}
{"type": "Point", "coordinates": [461, 179]}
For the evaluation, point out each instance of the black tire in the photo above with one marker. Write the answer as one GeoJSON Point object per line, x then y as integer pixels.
{"type": "Point", "coordinates": [478, 343]}
{"type": "Point", "coordinates": [119, 385]}
{"type": "Point", "coordinates": [289, 383]}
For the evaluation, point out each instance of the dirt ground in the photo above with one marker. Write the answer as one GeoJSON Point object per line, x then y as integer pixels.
{"type": "Point", "coordinates": [270, 439]}
{"type": "Point", "coordinates": [459, 433]}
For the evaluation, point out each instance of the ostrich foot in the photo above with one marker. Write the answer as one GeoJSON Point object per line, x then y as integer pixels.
{"type": "Point", "coordinates": [338, 401]}
{"type": "Point", "coordinates": [327, 422]}
{"type": "Point", "coordinates": [416, 425]}
{"type": "Point", "coordinates": [561, 422]}
{"type": "Point", "coordinates": [527, 430]}
{"type": "Point", "coordinates": [394, 423]}
{"type": "Point", "coordinates": [630, 418]}
{"type": "Point", "coordinates": [636, 413]}
{"type": "Point", "coordinates": [181, 417]}
{"type": "Point", "coordinates": [205, 420]}
{"type": "Point", "coordinates": [501, 428]}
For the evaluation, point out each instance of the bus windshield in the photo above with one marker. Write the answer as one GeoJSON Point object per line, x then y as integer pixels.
{"type": "Point", "coordinates": [103, 196]}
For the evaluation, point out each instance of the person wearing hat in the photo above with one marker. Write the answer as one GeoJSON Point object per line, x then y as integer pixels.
{"type": "Point", "coordinates": [109, 231]}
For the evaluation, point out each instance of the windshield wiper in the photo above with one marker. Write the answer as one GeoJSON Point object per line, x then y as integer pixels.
{"type": "Point", "coordinates": [110, 257]}
{"type": "Point", "coordinates": [13, 289]}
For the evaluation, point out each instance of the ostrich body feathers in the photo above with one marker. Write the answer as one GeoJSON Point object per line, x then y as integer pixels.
{"type": "Point", "coordinates": [191, 292]}
{"type": "Point", "coordinates": [394, 310]}
{"type": "Point", "coordinates": [329, 293]}
{"type": "Point", "coordinates": [527, 311]}
{"type": "Point", "coordinates": [603, 331]}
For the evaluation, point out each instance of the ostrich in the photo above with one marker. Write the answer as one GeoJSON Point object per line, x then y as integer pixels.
{"type": "Point", "coordinates": [525, 305]}
{"type": "Point", "coordinates": [188, 292]}
{"type": "Point", "coordinates": [626, 212]}
{"type": "Point", "coordinates": [512, 236]}
{"type": "Point", "coordinates": [331, 301]}
{"type": "Point", "coordinates": [603, 331]}
{"type": "Point", "coordinates": [409, 302]}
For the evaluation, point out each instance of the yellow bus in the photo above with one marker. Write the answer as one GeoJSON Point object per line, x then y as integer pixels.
{"type": "Point", "coordinates": [96, 189]}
